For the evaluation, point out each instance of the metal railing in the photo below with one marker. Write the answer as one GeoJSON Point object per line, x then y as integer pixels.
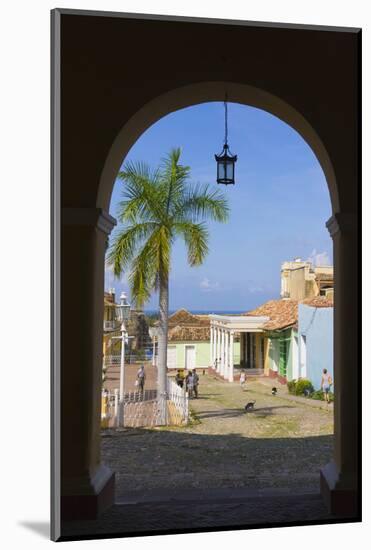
{"type": "Point", "coordinates": [130, 358]}
{"type": "Point", "coordinates": [146, 409]}
{"type": "Point", "coordinates": [111, 361]}
{"type": "Point", "coordinates": [178, 403]}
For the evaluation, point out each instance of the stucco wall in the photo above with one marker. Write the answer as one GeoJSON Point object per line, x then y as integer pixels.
{"type": "Point", "coordinates": [202, 353]}
{"type": "Point", "coordinates": [317, 325]}
{"type": "Point", "coordinates": [297, 283]}
{"type": "Point", "coordinates": [273, 354]}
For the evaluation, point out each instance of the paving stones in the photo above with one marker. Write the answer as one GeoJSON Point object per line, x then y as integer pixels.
{"type": "Point", "coordinates": [279, 444]}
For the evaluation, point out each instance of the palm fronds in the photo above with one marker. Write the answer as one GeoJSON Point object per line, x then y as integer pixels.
{"type": "Point", "coordinates": [195, 236]}
{"type": "Point", "coordinates": [158, 206]}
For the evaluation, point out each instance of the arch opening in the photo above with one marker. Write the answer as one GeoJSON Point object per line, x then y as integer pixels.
{"type": "Point", "coordinates": [205, 92]}
{"type": "Point", "coordinates": [120, 161]}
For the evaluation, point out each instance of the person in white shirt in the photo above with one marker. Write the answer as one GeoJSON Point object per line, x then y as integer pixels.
{"type": "Point", "coordinates": [141, 377]}
{"type": "Point", "coordinates": [326, 383]}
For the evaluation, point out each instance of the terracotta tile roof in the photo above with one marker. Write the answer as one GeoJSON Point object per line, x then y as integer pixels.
{"type": "Point", "coordinates": [318, 301]}
{"type": "Point", "coordinates": [189, 334]}
{"type": "Point", "coordinates": [184, 326]}
{"type": "Point", "coordinates": [282, 313]}
{"type": "Point", "coordinates": [185, 318]}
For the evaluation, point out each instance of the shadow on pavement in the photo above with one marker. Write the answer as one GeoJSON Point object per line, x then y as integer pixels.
{"type": "Point", "coordinates": [231, 413]}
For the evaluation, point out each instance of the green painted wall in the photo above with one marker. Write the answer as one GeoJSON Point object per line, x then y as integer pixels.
{"type": "Point", "coordinates": [276, 350]}
{"type": "Point", "coordinates": [202, 353]}
{"type": "Point", "coordinates": [289, 356]}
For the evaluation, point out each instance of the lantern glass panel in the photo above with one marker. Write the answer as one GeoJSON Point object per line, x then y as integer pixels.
{"type": "Point", "coordinates": [126, 312]}
{"type": "Point", "coordinates": [119, 313]}
{"type": "Point", "coordinates": [229, 169]}
{"type": "Point", "coordinates": [221, 170]}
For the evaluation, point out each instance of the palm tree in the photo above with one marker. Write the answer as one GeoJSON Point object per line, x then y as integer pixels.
{"type": "Point", "coordinates": [158, 207]}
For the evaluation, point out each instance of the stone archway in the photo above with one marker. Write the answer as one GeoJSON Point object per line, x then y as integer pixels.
{"type": "Point", "coordinates": [102, 117]}
{"type": "Point", "coordinates": [204, 92]}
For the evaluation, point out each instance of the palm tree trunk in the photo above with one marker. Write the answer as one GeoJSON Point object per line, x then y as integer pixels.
{"type": "Point", "coordinates": [162, 344]}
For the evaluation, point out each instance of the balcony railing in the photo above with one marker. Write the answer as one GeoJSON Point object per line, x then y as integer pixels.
{"type": "Point", "coordinates": [110, 325]}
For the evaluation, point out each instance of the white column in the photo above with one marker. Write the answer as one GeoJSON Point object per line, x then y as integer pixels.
{"type": "Point", "coordinates": [225, 341]}
{"type": "Point", "coordinates": [122, 376]}
{"type": "Point", "coordinates": [215, 346]}
{"type": "Point", "coordinates": [226, 360]}
{"type": "Point", "coordinates": [231, 350]}
{"type": "Point", "coordinates": [154, 351]}
{"type": "Point", "coordinates": [221, 351]}
{"type": "Point", "coordinates": [211, 344]}
{"type": "Point", "coordinates": [222, 354]}
{"type": "Point", "coordinates": [218, 350]}
{"type": "Point", "coordinates": [227, 355]}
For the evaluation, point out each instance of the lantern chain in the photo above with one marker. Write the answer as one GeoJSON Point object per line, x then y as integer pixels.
{"type": "Point", "coordinates": [226, 120]}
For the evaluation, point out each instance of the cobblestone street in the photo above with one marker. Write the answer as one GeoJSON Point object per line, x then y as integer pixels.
{"type": "Point", "coordinates": [228, 468]}
{"type": "Point", "coordinates": [279, 444]}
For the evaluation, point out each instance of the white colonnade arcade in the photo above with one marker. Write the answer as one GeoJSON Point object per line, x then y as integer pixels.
{"type": "Point", "coordinates": [222, 332]}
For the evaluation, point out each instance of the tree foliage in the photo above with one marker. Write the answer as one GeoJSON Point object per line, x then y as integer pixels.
{"type": "Point", "coordinates": [157, 207]}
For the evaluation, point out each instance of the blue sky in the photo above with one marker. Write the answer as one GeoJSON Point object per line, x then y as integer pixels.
{"type": "Point", "coordinates": [279, 205]}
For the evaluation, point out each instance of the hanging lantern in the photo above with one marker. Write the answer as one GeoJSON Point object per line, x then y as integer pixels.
{"type": "Point", "coordinates": [225, 160]}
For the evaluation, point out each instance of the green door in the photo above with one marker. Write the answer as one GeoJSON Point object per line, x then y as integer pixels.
{"type": "Point", "coordinates": [284, 346]}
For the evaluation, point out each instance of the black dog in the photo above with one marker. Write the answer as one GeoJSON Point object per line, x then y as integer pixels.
{"type": "Point", "coordinates": [249, 405]}
{"type": "Point", "coordinates": [274, 391]}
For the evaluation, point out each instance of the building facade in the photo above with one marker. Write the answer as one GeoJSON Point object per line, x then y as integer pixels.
{"type": "Point", "coordinates": [279, 333]}
{"type": "Point", "coordinates": [111, 325]}
{"type": "Point", "coordinates": [300, 280]}
{"type": "Point", "coordinates": [228, 330]}
{"type": "Point", "coordinates": [189, 341]}
{"type": "Point", "coordinates": [315, 334]}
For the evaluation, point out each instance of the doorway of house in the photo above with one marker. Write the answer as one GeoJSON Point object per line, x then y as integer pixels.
{"type": "Point", "coordinates": [190, 357]}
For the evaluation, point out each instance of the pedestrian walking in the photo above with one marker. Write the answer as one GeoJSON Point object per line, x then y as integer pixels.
{"type": "Point", "coordinates": [179, 379]}
{"type": "Point", "coordinates": [196, 380]}
{"type": "Point", "coordinates": [190, 384]}
{"type": "Point", "coordinates": [242, 379]}
{"type": "Point", "coordinates": [326, 383]}
{"type": "Point", "coordinates": [141, 377]}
